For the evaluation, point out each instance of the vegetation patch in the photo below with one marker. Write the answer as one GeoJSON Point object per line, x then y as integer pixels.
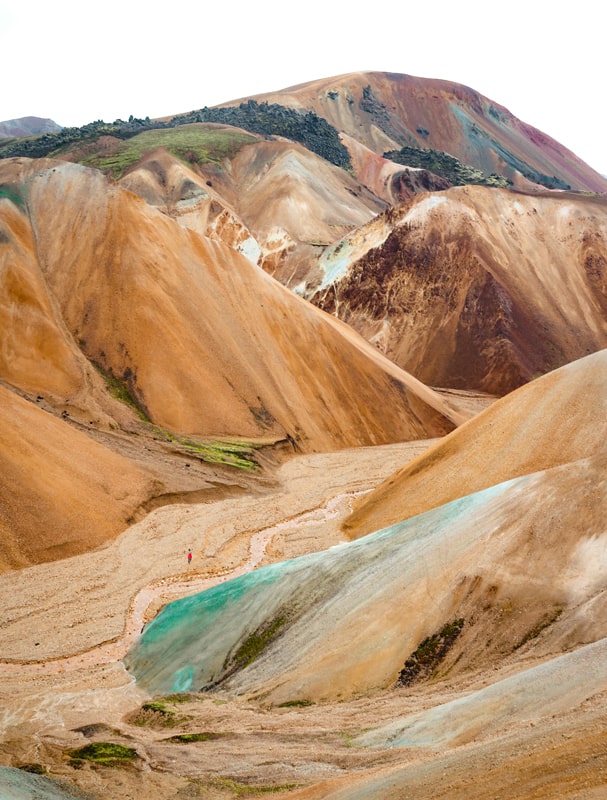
{"type": "Point", "coordinates": [271, 119]}
{"type": "Point", "coordinates": [215, 451]}
{"type": "Point", "coordinates": [120, 390]}
{"type": "Point", "coordinates": [429, 653]}
{"type": "Point", "coordinates": [445, 166]}
{"type": "Point", "coordinates": [106, 754]}
{"type": "Point", "coordinates": [266, 119]}
{"type": "Point", "coordinates": [296, 704]}
{"type": "Point", "coordinates": [157, 714]}
{"type": "Point", "coordinates": [256, 643]}
{"type": "Point", "coordinates": [35, 769]}
{"type": "Point", "coordinates": [249, 650]}
{"type": "Point", "coordinates": [187, 738]}
{"type": "Point", "coordinates": [193, 144]}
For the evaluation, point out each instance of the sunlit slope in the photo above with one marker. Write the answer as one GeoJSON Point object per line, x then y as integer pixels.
{"type": "Point", "coordinates": [559, 418]}
{"type": "Point", "coordinates": [61, 493]}
{"type": "Point", "coordinates": [512, 569]}
{"type": "Point", "coordinates": [37, 355]}
{"type": "Point", "coordinates": [274, 201]}
{"type": "Point", "coordinates": [475, 287]}
{"type": "Point", "coordinates": [554, 686]}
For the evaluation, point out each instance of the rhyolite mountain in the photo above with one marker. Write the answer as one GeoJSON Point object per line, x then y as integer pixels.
{"type": "Point", "coordinates": [512, 301]}
{"type": "Point", "coordinates": [386, 112]}
{"type": "Point", "coordinates": [209, 324]}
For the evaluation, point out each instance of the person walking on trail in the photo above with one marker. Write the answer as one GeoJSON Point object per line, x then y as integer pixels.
{"type": "Point", "coordinates": [189, 557]}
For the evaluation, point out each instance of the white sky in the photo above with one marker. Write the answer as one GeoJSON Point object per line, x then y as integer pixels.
{"type": "Point", "coordinates": [76, 61]}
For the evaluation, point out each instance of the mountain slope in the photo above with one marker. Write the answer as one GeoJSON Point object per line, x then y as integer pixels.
{"type": "Point", "coordinates": [555, 420]}
{"type": "Point", "coordinates": [27, 126]}
{"type": "Point", "coordinates": [61, 492]}
{"type": "Point", "coordinates": [385, 111]}
{"type": "Point", "coordinates": [275, 201]}
{"type": "Point", "coordinates": [483, 576]}
{"type": "Point", "coordinates": [205, 342]}
{"type": "Point", "coordinates": [105, 297]}
{"type": "Point", "coordinates": [461, 301]}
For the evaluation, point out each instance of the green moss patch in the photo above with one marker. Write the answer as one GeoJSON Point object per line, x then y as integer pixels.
{"type": "Point", "coordinates": [34, 769]}
{"type": "Point", "coordinates": [120, 390]}
{"type": "Point", "coordinates": [232, 453]}
{"type": "Point", "coordinates": [253, 647]}
{"type": "Point", "coordinates": [197, 788]}
{"type": "Point", "coordinates": [193, 144]}
{"type": "Point", "coordinates": [107, 754]}
{"type": "Point", "coordinates": [296, 704]}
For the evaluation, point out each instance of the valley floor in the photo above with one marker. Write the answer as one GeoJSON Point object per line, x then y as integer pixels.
{"type": "Point", "coordinates": [66, 625]}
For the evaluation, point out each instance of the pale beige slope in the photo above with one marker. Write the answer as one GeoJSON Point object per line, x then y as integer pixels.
{"type": "Point", "coordinates": [61, 493]}
{"type": "Point", "coordinates": [190, 198]}
{"type": "Point", "coordinates": [296, 203]}
{"type": "Point", "coordinates": [274, 201]}
{"type": "Point", "coordinates": [206, 342]}
{"type": "Point", "coordinates": [559, 418]}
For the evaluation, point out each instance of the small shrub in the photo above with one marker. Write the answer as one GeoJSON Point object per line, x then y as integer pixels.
{"type": "Point", "coordinates": [35, 769]}
{"type": "Point", "coordinates": [156, 714]}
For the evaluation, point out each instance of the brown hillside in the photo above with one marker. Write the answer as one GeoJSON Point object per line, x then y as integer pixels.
{"type": "Point", "coordinates": [205, 342]}
{"type": "Point", "coordinates": [461, 301]}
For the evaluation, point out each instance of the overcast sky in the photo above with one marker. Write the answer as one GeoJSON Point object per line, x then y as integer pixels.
{"type": "Point", "coordinates": [76, 62]}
